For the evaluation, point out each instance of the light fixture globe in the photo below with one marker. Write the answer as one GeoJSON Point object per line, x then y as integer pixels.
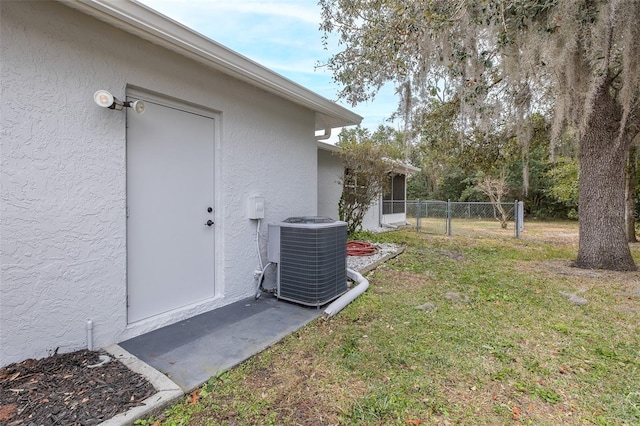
{"type": "Point", "coordinates": [139, 107]}
{"type": "Point", "coordinates": [103, 98]}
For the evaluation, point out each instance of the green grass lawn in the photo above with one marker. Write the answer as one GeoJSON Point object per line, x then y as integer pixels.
{"type": "Point", "coordinates": [502, 336]}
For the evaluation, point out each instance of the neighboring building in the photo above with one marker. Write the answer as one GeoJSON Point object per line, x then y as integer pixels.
{"type": "Point", "coordinates": [389, 211]}
{"type": "Point", "coordinates": [131, 222]}
{"type": "Point", "coordinates": [329, 180]}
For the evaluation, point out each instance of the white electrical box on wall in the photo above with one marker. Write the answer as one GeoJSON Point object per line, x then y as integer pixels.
{"type": "Point", "coordinates": [256, 207]}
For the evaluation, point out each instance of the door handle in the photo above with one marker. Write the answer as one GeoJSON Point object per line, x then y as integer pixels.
{"type": "Point", "coordinates": [209, 222]}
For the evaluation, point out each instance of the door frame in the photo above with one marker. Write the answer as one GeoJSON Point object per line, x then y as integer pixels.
{"type": "Point", "coordinates": [178, 314]}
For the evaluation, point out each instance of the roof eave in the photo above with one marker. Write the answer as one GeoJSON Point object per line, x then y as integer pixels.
{"type": "Point", "coordinates": [405, 169]}
{"type": "Point", "coordinates": [146, 23]}
{"type": "Point", "coordinates": [328, 147]}
{"type": "Point", "coordinates": [397, 166]}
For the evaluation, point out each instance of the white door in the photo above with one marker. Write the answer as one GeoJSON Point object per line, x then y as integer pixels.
{"type": "Point", "coordinates": [170, 194]}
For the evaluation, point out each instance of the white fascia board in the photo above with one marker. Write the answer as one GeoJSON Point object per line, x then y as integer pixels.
{"type": "Point", "coordinates": [397, 166]}
{"type": "Point", "coordinates": [146, 23]}
{"type": "Point", "coordinates": [401, 168]}
{"type": "Point", "coordinates": [328, 147]}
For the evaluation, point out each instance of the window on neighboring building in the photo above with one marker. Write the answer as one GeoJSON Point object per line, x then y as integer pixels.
{"type": "Point", "coordinates": [393, 197]}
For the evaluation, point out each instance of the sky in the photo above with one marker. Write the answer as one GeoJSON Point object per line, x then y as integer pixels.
{"type": "Point", "coordinates": [282, 35]}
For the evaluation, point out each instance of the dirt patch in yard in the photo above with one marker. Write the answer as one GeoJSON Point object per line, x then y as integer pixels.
{"type": "Point", "coordinates": [628, 281]}
{"type": "Point", "coordinates": [628, 298]}
{"type": "Point", "coordinates": [622, 289]}
{"type": "Point", "coordinates": [69, 389]}
{"type": "Point", "coordinates": [292, 392]}
{"type": "Point", "coordinates": [399, 281]}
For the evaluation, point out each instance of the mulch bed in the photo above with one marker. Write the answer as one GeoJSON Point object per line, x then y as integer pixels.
{"type": "Point", "coordinates": [63, 390]}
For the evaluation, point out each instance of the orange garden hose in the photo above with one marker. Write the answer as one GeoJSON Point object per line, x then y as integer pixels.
{"type": "Point", "coordinates": [361, 248]}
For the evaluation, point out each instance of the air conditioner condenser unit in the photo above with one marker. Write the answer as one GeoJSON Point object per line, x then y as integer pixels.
{"type": "Point", "coordinates": [311, 257]}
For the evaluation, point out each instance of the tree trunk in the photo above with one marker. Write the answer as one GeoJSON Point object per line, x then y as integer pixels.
{"type": "Point", "coordinates": [630, 195]}
{"type": "Point", "coordinates": [603, 239]}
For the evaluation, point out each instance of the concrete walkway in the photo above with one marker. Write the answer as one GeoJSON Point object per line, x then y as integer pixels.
{"type": "Point", "coordinates": [180, 357]}
{"type": "Point", "coordinates": [196, 349]}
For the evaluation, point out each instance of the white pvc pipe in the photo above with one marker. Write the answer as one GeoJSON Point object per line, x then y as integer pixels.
{"type": "Point", "coordinates": [258, 243]}
{"type": "Point", "coordinates": [342, 301]}
{"type": "Point", "coordinates": [90, 335]}
{"type": "Point", "coordinates": [260, 277]}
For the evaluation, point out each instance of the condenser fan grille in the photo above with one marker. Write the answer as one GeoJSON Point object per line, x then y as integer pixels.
{"type": "Point", "coordinates": [312, 262]}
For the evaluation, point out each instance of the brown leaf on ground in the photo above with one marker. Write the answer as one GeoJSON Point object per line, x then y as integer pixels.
{"type": "Point", "coordinates": [7, 412]}
{"type": "Point", "coordinates": [515, 413]}
{"type": "Point", "coordinates": [195, 396]}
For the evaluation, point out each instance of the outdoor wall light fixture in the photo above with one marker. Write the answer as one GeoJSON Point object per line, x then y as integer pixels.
{"type": "Point", "coordinates": [106, 100]}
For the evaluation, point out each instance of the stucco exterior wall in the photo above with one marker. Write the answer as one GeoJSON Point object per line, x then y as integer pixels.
{"type": "Point", "coordinates": [329, 186]}
{"type": "Point", "coordinates": [63, 174]}
{"type": "Point", "coordinates": [371, 219]}
{"type": "Point", "coordinates": [330, 190]}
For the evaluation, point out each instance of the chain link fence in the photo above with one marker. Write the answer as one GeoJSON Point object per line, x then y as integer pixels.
{"type": "Point", "coordinates": [466, 218]}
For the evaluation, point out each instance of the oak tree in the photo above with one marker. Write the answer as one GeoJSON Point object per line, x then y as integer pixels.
{"type": "Point", "coordinates": [499, 61]}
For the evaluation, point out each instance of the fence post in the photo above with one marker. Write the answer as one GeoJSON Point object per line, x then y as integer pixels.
{"type": "Point", "coordinates": [516, 219]}
{"type": "Point", "coordinates": [418, 216]}
{"type": "Point", "coordinates": [520, 223]}
{"type": "Point", "coordinates": [449, 217]}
